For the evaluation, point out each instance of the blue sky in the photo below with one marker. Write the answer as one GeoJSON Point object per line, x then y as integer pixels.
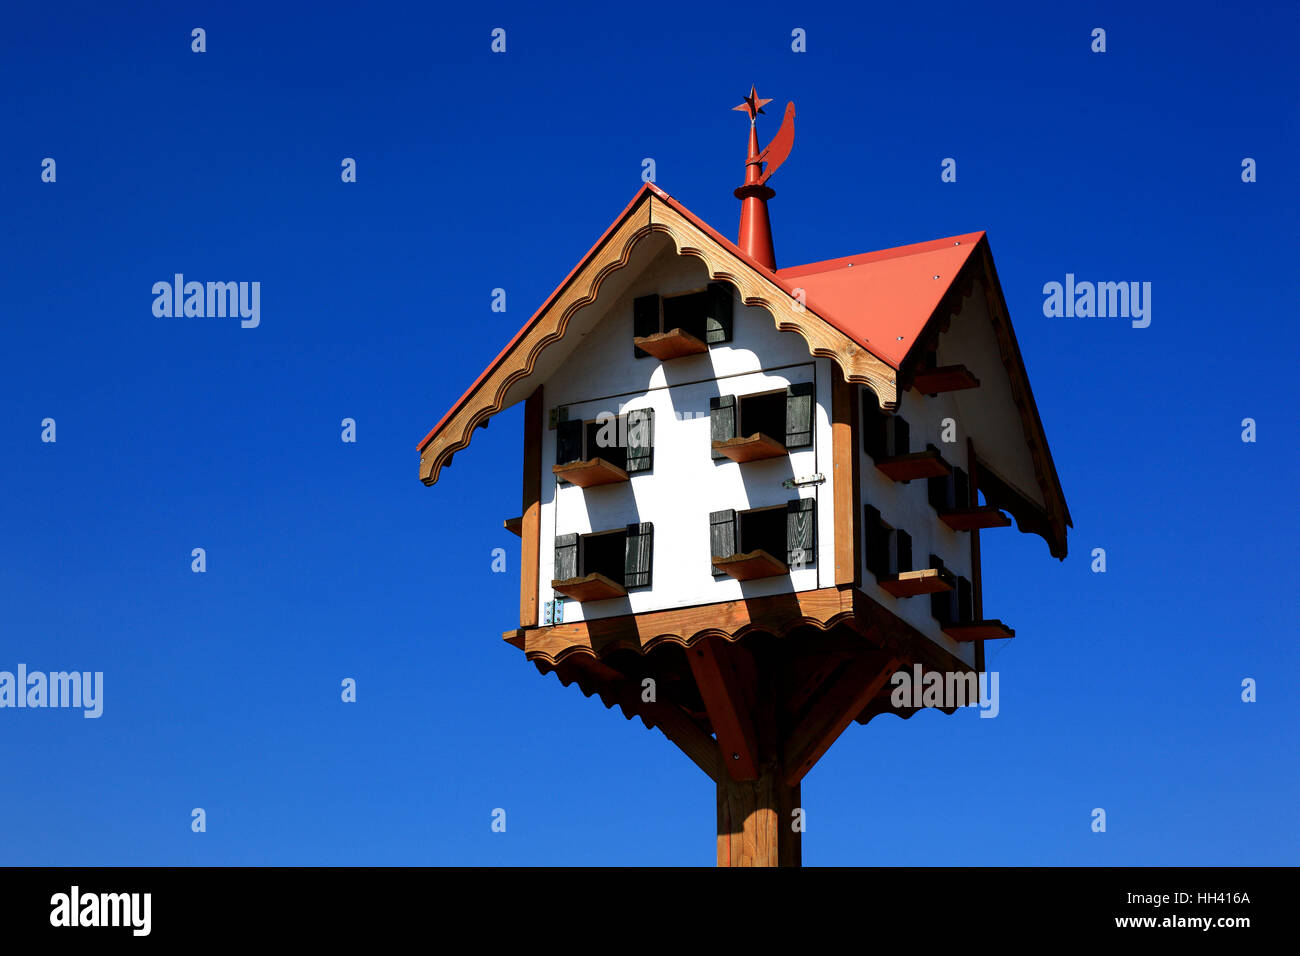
{"type": "Point", "coordinates": [477, 171]}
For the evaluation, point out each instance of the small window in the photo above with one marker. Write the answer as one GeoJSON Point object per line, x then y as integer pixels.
{"type": "Point", "coordinates": [772, 423]}
{"type": "Point", "coordinates": [948, 492]}
{"type": "Point", "coordinates": [888, 549]}
{"type": "Point", "coordinates": [955, 606]}
{"type": "Point", "coordinates": [763, 529]}
{"type": "Point", "coordinates": [604, 554]}
{"type": "Point", "coordinates": [705, 314]}
{"type": "Point", "coordinates": [626, 440]}
{"type": "Point", "coordinates": [624, 556]}
{"type": "Point", "coordinates": [602, 442]}
{"type": "Point", "coordinates": [763, 414]}
{"type": "Point", "coordinates": [883, 436]}
{"type": "Point", "coordinates": [785, 533]}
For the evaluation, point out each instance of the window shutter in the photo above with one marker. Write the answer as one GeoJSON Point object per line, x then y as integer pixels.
{"type": "Point", "coordinates": [902, 436]}
{"type": "Point", "coordinates": [640, 440]}
{"type": "Point", "coordinates": [961, 489]}
{"type": "Point", "coordinates": [938, 487]}
{"type": "Point", "coordinates": [722, 536]}
{"type": "Point", "coordinates": [566, 557]}
{"type": "Point", "coordinates": [941, 601]}
{"type": "Point", "coordinates": [877, 539]}
{"type": "Point", "coordinates": [873, 426]}
{"type": "Point", "coordinates": [904, 550]}
{"type": "Point", "coordinates": [799, 415]}
{"type": "Point", "coordinates": [717, 320]}
{"type": "Point", "coordinates": [722, 419]}
{"type": "Point", "coordinates": [645, 318]}
{"type": "Point", "coordinates": [965, 611]}
{"type": "Point", "coordinates": [638, 555]}
{"type": "Point", "coordinates": [568, 442]}
{"type": "Point", "coordinates": [801, 532]}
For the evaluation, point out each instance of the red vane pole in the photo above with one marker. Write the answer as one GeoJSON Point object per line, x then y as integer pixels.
{"type": "Point", "coordinates": [755, 237]}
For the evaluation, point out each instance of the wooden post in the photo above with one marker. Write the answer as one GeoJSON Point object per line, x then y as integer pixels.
{"type": "Point", "coordinates": [756, 820]}
{"type": "Point", "coordinates": [756, 816]}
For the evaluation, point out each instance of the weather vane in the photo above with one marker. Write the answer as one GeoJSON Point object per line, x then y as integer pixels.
{"type": "Point", "coordinates": [755, 229]}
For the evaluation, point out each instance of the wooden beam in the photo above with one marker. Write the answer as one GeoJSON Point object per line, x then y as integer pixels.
{"type": "Point", "coordinates": [848, 529]}
{"type": "Point", "coordinates": [724, 699]}
{"type": "Point", "coordinates": [777, 614]}
{"type": "Point", "coordinates": [843, 701]}
{"type": "Point", "coordinates": [531, 520]}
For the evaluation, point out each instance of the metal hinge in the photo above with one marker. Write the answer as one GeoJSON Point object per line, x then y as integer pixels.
{"type": "Point", "coordinates": [553, 612]}
{"type": "Point", "coordinates": [816, 479]}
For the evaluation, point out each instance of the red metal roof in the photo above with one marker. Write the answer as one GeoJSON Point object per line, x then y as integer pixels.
{"type": "Point", "coordinates": [882, 300]}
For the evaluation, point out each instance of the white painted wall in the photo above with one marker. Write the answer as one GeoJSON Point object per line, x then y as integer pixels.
{"type": "Point", "coordinates": [907, 506]}
{"type": "Point", "coordinates": [686, 484]}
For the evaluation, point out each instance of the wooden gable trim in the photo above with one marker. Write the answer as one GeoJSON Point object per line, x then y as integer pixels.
{"type": "Point", "coordinates": [1057, 514]}
{"type": "Point", "coordinates": [652, 213]}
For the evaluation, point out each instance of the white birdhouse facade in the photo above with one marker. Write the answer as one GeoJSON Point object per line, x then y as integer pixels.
{"type": "Point", "coordinates": [679, 489]}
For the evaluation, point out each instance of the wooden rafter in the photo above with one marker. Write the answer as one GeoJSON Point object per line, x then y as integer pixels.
{"type": "Point", "coordinates": [834, 711]}
{"type": "Point", "coordinates": [724, 698]}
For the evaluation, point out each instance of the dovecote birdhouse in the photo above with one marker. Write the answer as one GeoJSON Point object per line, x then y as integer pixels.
{"type": "Point", "coordinates": [752, 494]}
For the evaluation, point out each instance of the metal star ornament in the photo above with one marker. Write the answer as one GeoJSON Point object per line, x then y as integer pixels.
{"type": "Point", "coordinates": [753, 105]}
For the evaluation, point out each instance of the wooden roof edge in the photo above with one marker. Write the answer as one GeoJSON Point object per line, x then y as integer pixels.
{"type": "Point", "coordinates": [1049, 480]}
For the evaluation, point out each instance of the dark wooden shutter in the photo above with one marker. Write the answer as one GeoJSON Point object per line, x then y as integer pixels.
{"type": "Point", "coordinates": [640, 440]}
{"type": "Point", "coordinates": [902, 436]}
{"type": "Point", "coordinates": [965, 610]}
{"type": "Point", "coordinates": [799, 415]}
{"type": "Point", "coordinates": [722, 419]}
{"type": "Point", "coordinates": [638, 555]}
{"type": "Point", "coordinates": [801, 532]}
{"type": "Point", "coordinates": [566, 557]}
{"type": "Point", "coordinates": [961, 489]}
{"type": "Point", "coordinates": [717, 320]}
{"type": "Point", "coordinates": [873, 426]}
{"type": "Point", "coordinates": [722, 536]}
{"type": "Point", "coordinates": [904, 542]}
{"type": "Point", "coordinates": [941, 602]}
{"type": "Point", "coordinates": [568, 442]}
{"type": "Point", "coordinates": [645, 318]}
{"type": "Point", "coordinates": [938, 488]}
{"type": "Point", "coordinates": [877, 539]}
